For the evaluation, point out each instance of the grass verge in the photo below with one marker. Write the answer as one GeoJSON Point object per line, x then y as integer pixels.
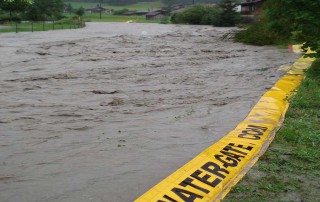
{"type": "Point", "coordinates": [39, 26]}
{"type": "Point", "coordinates": [289, 170]}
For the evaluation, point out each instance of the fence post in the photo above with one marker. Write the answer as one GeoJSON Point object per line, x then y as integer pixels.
{"type": "Point", "coordinates": [53, 25]}
{"type": "Point", "coordinates": [16, 27]}
{"type": "Point", "coordinates": [32, 26]}
{"type": "Point", "coordinates": [43, 26]}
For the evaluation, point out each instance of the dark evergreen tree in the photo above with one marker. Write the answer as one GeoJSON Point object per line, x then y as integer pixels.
{"type": "Point", "coordinates": [79, 12]}
{"type": "Point", "coordinates": [228, 17]}
{"type": "Point", "coordinates": [46, 10]}
{"type": "Point", "coordinates": [69, 8]}
{"type": "Point", "coordinates": [12, 6]}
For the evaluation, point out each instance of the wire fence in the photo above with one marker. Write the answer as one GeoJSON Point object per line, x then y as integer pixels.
{"type": "Point", "coordinates": [33, 26]}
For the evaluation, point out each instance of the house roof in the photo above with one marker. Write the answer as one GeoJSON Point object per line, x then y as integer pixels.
{"type": "Point", "coordinates": [136, 13]}
{"type": "Point", "coordinates": [142, 12]}
{"type": "Point", "coordinates": [177, 6]}
{"type": "Point", "coordinates": [251, 2]}
{"type": "Point", "coordinates": [96, 9]}
{"type": "Point", "coordinates": [154, 13]}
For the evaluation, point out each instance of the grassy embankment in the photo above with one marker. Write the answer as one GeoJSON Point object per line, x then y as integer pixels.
{"type": "Point", "coordinates": [289, 170]}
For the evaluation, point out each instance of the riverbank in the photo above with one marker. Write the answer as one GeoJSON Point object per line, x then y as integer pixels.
{"type": "Point", "coordinates": [289, 170]}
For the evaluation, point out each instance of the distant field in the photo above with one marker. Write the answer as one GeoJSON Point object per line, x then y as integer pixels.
{"type": "Point", "coordinates": [116, 18]}
{"type": "Point", "coordinates": [137, 6]}
{"type": "Point", "coordinates": [95, 17]}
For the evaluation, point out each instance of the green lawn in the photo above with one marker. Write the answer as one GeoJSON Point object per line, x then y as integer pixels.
{"type": "Point", "coordinates": [137, 6]}
{"type": "Point", "coordinates": [289, 170]}
{"type": "Point", "coordinates": [95, 17]}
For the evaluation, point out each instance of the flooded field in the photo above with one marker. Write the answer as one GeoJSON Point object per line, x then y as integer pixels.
{"type": "Point", "coordinates": [105, 112]}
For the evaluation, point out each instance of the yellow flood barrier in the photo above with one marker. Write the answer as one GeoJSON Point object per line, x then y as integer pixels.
{"type": "Point", "coordinates": [211, 174]}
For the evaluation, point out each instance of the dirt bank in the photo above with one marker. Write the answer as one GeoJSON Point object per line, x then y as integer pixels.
{"type": "Point", "coordinates": [105, 112]}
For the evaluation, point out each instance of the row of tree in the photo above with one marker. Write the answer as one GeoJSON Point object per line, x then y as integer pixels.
{"type": "Point", "coordinates": [166, 2]}
{"type": "Point", "coordinates": [34, 9]}
{"type": "Point", "coordinates": [186, 2]}
{"type": "Point", "coordinates": [52, 9]}
{"type": "Point", "coordinates": [200, 14]}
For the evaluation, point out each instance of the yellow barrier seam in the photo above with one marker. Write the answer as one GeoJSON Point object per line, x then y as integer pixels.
{"type": "Point", "coordinates": [211, 174]}
{"type": "Point", "coordinates": [250, 164]}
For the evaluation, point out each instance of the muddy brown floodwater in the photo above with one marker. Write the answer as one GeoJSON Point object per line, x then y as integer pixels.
{"type": "Point", "coordinates": [105, 112]}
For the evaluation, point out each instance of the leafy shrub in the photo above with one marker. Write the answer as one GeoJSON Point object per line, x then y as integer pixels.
{"type": "Point", "coordinates": [197, 15]}
{"type": "Point", "coordinates": [223, 15]}
{"type": "Point", "coordinates": [247, 20]}
{"type": "Point", "coordinates": [80, 11]}
{"type": "Point", "coordinates": [121, 12]}
{"type": "Point", "coordinates": [257, 34]}
{"type": "Point", "coordinates": [165, 20]}
{"type": "Point", "coordinates": [6, 18]}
